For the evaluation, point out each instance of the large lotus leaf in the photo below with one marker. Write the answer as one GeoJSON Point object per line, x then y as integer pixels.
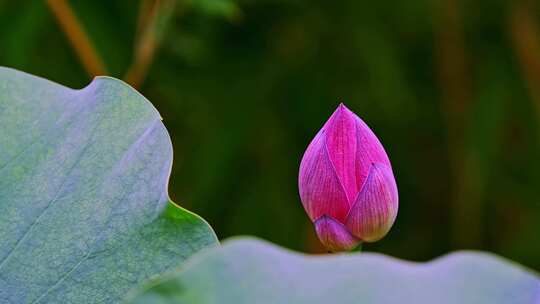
{"type": "Point", "coordinates": [250, 271]}
{"type": "Point", "coordinates": [84, 209]}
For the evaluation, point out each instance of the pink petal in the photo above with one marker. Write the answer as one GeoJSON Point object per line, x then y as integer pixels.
{"type": "Point", "coordinates": [369, 150]}
{"type": "Point", "coordinates": [375, 209]}
{"type": "Point", "coordinates": [333, 235]}
{"type": "Point", "coordinates": [320, 190]}
{"type": "Point", "coordinates": [341, 139]}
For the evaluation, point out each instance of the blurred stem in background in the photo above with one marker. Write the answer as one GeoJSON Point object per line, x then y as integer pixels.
{"type": "Point", "coordinates": [152, 23]}
{"type": "Point", "coordinates": [78, 38]}
{"type": "Point", "coordinates": [154, 15]}
{"type": "Point", "coordinates": [457, 98]}
{"type": "Point", "coordinates": [525, 36]}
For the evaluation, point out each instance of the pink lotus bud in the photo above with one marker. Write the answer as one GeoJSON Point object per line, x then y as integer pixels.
{"type": "Point", "coordinates": [346, 183]}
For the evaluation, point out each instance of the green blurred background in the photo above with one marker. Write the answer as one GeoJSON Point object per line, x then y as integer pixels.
{"type": "Point", "coordinates": [451, 88]}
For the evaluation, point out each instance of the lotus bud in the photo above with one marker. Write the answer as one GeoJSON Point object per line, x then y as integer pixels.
{"type": "Point", "coordinates": [346, 183]}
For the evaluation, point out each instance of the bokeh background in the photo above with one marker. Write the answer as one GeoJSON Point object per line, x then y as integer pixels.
{"type": "Point", "coordinates": [451, 87]}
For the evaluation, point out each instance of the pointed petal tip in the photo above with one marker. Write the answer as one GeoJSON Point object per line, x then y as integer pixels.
{"type": "Point", "coordinates": [334, 235]}
{"type": "Point", "coordinates": [343, 108]}
{"type": "Point", "coordinates": [341, 114]}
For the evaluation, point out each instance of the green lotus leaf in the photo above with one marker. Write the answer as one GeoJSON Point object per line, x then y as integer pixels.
{"type": "Point", "coordinates": [251, 271]}
{"type": "Point", "coordinates": [84, 209]}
